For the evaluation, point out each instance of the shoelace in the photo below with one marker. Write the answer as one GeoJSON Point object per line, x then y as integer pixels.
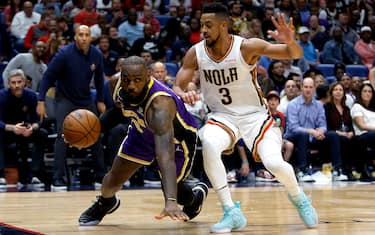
{"type": "Point", "coordinates": [94, 206]}
{"type": "Point", "coordinates": [226, 213]}
{"type": "Point", "coordinates": [303, 205]}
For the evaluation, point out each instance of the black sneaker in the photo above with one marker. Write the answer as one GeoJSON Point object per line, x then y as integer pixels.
{"type": "Point", "coordinates": [200, 191]}
{"type": "Point", "coordinates": [93, 215]}
{"type": "Point", "coordinates": [59, 185]}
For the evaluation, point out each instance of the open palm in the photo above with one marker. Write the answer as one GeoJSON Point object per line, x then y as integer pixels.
{"type": "Point", "coordinates": [285, 32]}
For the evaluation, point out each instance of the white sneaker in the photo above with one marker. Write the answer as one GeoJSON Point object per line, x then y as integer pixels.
{"type": "Point", "coordinates": [231, 177]}
{"type": "Point", "coordinates": [35, 182]}
{"type": "Point", "coordinates": [304, 177]}
{"type": "Point", "coordinates": [3, 182]}
{"type": "Point", "coordinates": [97, 185]}
{"type": "Point", "coordinates": [127, 183]}
{"type": "Point", "coordinates": [337, 176]}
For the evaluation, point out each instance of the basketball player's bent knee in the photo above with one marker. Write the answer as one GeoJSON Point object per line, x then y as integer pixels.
{"type": "Point", "coordinates": [214, 139]}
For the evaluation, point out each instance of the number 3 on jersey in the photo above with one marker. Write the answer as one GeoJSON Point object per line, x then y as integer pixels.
{"type": "Point", "coordinates": [227, 99]}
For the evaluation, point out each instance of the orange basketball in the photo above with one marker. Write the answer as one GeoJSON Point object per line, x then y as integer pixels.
{"type": "Point", "coordinates": [81, 128]}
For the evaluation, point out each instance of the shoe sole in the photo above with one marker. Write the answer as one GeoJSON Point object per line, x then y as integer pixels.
{"type": "Point", "coordinates": [307, 181]}
{"type": "Point", "coordinates": [228, 230]}
{"type": "Point", "coordinates": [260, 179]}
{"type": "Point", "coordinates": [36, 185]}
{"type": "Point", "coordinates": [152, 182]}
{"type": "Point", "coordinates": [96, 222]}
{"type": "Point", "coordinates": [59, 188]}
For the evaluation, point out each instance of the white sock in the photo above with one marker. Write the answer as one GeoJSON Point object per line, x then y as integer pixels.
{"type": "Point", "coordinates": [225, 197]}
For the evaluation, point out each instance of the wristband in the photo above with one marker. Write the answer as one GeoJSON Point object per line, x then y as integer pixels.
{"type": "Point", "coordinates": [172, 199]}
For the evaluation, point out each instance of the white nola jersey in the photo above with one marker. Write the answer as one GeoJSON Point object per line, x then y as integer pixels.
{"type": "Point", "coordinates": [228, 83]}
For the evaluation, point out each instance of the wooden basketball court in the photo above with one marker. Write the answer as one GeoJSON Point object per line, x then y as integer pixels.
{"type": "Point", "coordinates": [343, 209]}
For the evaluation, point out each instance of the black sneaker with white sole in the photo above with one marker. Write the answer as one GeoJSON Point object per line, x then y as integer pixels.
{"type": "Point", "coordinates": [200, 191]}
{"type": "Point", "coordinates": [94, 214]}
{"type": "Point", "coordinates": [58, 185]}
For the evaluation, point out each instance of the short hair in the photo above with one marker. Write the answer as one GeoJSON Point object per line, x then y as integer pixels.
{"type": "Point", "coordinates": [217, 8]}
{"type": "Point", "coordinates": [61, 18]}
{"type": "Point", "coordinates": [291, 75]}
{"type": "Point", "coordinates": [15, 73]}
{"type": "Point", "coordinates": [322, 91]}
{"type": "Point", "coordinates": [152, 66]}
{"type": "Point", "coordinates": [134, 60]}
{"type": "Point", "coordinates": [339, 66]}
{"type": "Point", "coordinates": [103, 36]}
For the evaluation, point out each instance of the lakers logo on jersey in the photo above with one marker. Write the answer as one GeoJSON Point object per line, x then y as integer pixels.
{"type": "Point", "coordinates": [138, 121]}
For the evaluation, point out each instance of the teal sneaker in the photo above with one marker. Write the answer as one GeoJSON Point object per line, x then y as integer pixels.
{"type": "Point", "coordinates": [305, 209]}
{"type": "Point", "coordinates": [233, 220]}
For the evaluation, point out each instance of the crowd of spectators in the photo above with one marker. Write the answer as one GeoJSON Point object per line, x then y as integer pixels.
{"type": "Point", "coordinates": [337, 32]}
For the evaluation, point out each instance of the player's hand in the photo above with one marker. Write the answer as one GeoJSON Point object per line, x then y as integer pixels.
{"type": "Point", "coordinates": [190, 97]}
{"type": "Point", "coordinates": [173, 211]}
{"type": "Point", "coordinates": [41, 110]}
{"type": "Point", "coordinates": [285, 32]}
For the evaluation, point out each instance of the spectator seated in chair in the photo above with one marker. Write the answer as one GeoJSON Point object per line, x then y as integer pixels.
{"type": "Point", "coordinates": [19, 124]}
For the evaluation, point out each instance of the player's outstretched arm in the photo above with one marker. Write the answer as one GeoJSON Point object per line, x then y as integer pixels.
{"type": "Point", "coordinates": [185, 75]}
{"type": "Point", "coordinates": [288, 48]}
{"type": "Point", "coordinates": [160, 116]}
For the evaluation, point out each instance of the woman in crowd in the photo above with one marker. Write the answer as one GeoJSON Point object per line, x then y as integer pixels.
{"type": "Point", "coordinates": [363, 114]}
{"type": "Point", "coordinates": [339, 121]}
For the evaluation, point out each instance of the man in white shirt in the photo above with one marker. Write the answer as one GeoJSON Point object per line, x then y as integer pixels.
{"type": "Point", "coordinates": [21, 23]}
{"type": "Point", "coordinates": [291, 92]}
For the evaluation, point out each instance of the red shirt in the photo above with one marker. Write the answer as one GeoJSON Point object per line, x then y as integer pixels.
{"type": "Point", "coordinates": [154, 24]}
{"type": "Point", "coordinates": [86, 18]}
{"type": "Point", "coordinates": [137, 4]}
{"type": "Point", "coordinates": [35, 31]}
{"type": "Point", "coordinates": [195, 37]}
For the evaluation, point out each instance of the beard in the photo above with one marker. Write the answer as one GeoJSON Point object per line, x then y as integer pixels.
{"type": "Point", "coordinates": [213, 42]}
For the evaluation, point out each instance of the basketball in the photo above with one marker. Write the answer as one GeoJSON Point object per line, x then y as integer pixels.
{"type": "Point", "coordinates": [81, 128]}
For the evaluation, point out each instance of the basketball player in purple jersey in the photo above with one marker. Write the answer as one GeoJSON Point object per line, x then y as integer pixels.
{"type": "Point", "coordinates": [162, 129]}
{"type": "Point", "coordinates": [227, 68]}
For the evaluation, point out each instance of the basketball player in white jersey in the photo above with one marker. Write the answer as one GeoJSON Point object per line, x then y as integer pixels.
{"type": "Point", "coordinates": [227, 67]}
